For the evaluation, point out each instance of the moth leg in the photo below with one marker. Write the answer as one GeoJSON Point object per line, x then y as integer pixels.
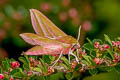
{"type": "Point", "coordinates": [75, 56]}
{"type": "Point", "coordinates": [79, 33]}
{"type": "Point", "coordinates": [57, 59]}
{"type": "Point", "coordinates": [78, 54]}
{"type": "Point", "coordinates": [69, 57]}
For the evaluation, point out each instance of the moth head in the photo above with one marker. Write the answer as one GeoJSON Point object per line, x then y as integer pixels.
{"type": "Point", "coordinates": [75, 46]}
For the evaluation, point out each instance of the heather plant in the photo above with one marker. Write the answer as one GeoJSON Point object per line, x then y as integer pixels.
{"type": "Point", "coordinates": [59, 56]}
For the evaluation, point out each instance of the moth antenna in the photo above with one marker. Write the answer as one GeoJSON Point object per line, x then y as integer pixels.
{"type": "Point", "coordinates": [78, 38]}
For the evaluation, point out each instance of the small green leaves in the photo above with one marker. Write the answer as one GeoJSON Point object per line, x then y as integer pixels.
{"type": "Point", "coordinates": [97, 40]}
{"type": "Point", "coordinates": [88, 59]}
{"type": "Point", "coordinates": [93, 71]}
{"type": "Point", "coordinates": [26, 62]}
{"type": "Point", "coordinates": [108, 39]}
{"type": "Point", "coordinates": [88, 46]}
{"type": "Point", "coordinates": [6, 64]}
{"type": "Point", "coordinates": [117, 67]}
{"type": "Point", "coordinates": [111, 54]}
{"type": "Point", "coordinates": [68, 76]}
{"type": "Point", "coordinates": [46, 59]}
{"type": "Point", "coordinates": [78, 67]}
{"type": "Point", "coordinates": [66, 62]}
{"type": "Point", "coordinates": [44, 65]}
{"type": "Point", "coordinates": [37, 69]}
{"type": "Point", "coordinates": [18, 72]}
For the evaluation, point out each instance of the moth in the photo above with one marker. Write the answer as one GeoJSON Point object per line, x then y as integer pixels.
{"type": "Point", "coordinates": [49, 39]}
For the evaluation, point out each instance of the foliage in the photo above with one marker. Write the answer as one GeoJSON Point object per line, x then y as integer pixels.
{"type": "Point", "coordinates": [95, 57]}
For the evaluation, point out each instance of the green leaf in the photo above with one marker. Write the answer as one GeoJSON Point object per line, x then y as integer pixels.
{"type": "Point", "coordinates": [117, 67]}
{"type": "Point", "coordinates": [88, 59]}
{"type": "Point", "coordinates": [108, 68]}
{"type": "Point", "coordinates": [52, 58]}
{"type": "Point", "coordinates": [78, 67]}
{"type": "Point", "coordinates": [27, 59]}
{"type": "Point", "coordinates": [93, 71]}
{"type": "Point", "coordinates": [108, 39]}
{"type": "Point", "coordinates": [88, 46]}
{"type": "Point", "coordinates": [97, 40]}
{"type": "Point", "coordinates": [41, 67]}
{"type": "Point", "coordinates": [0, 69]}
{"type": "Point", "coordinates": [34, 77]}
{"type": "Point", "coordinates": [6, 77]}
{"type": "Point", "coordinates": [37, 69]}
{"type": "Point", "coordinates": [65, 66]}
{"type": "Point", "coordinates": [46, 59]}
{"type": "Point", "coordinates": [26, 66]}
{"type": "Point", "coordinates": [85, 62]}
{"type": "Point", "coordinates": [68, 76]}
{"type": "Point", "coordinates": [6, 65]}
{"type": "Point", "coordinates": [66, 62]}
{"type": "Point", "coordinates": [44, 65]}
{"type": "Point", "coordinates": [57, 76]}
{"type": "Point", "coordinates": [22, 59]}
{"type": "Point", "coordinates": [111, 54]}
{"type": "Point", "coordinates": [89, 41]}
{"type": "Point", "coordinates": [14, 71]}
{"type": "Point", "coordinates": [18, 75]}
{"type": "Point", "coordinates": [18, 72]}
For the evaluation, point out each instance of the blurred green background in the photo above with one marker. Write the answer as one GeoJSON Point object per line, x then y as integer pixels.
{"type": "Point", "coordinates": [97, 17]}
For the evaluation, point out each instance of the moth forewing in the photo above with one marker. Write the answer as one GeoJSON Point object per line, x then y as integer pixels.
{"type": "Point", "coordinates": [43, 26]}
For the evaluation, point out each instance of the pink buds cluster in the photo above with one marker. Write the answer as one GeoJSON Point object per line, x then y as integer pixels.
{"type": "Point", "coordinates": [50, 70]}
{"type": "Point", "coordinates": [34, 62]}
{"type": "Point", "coordinates": [103, 47]}
{"type": "Point", "coordinates": [2, 77]}
{"type": "Point", "coordinates": [116, 44]}
{"type": "Point", "coordinates": [11, 78]}
{"type": "Point", "coordinates": [98, 61]}
{"type": "Point", "coordinates": [73, 64]}
{"type": "Point", "coordinates": [97, 45]}
{"type": "Point", "coordinates": [29, 73]}
{"type": "Point", "coordinates": [117, 57]}
{"type": "Point", "coordinates": [15, 64]}
{"type": "Point", "coordinates": [83, 52]}
{"type": "Point", "coordinates": [31, 60]}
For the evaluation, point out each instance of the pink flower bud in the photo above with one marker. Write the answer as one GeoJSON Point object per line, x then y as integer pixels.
{"type": "Point", "coordinates": [50, 70]}
{"type": "Point", "coordinates": [31, 59]}
{"type": "Point", "coordinates": [102, 48]}
{"type": "Point", "coordinates": [96, 45]}
{"type": "Point", "coordinates": [45, 7]}
{"type": "Point", "coordinates": [115, 60]}
{"type": "Point", "coordinates": [2, 76]}
{"type": "Point", "coordinates": [83, 52]}
{"type": "Point", "coordinates": [11, 78]}
{"type": "Point", "coordinates": [56, 55]}
{"type": "Point", "coordinates": [98, 61]}
{"type": "Point", "coordinates": [73, 66]}
{"type": "Point", "coordinates": [113, 43]}
{"type": "Point", "coordinates": [29, 73]}
{"type": "Point", "coordinates": [118, 43]}
{"type": "Point", "coordinates": [73, 13]}
{"type": "Point", "coordinates": [15, 64]}
{"type": "Point", "coordinates": [63, 17]}
{"type": "Point", "coordinates": [87, 26]}
{"type": "Point", "coordinates": [106, 46]}
{"type": "Point", "coordinates": [116, 56]}
{"type": "Point", "coordinates": [79, 50]}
